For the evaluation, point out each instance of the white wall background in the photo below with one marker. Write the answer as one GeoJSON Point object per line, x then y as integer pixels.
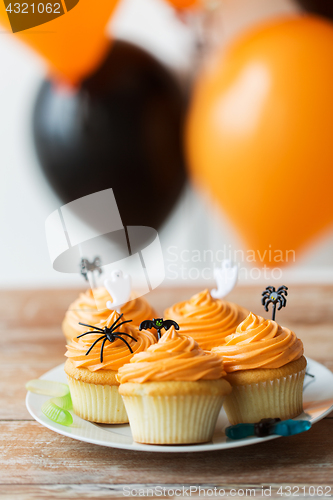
{"type": "Point", "coordinates": [26, 199]}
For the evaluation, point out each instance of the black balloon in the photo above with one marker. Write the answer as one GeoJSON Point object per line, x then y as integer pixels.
{"type": "Point", "coordinates": [321, 7]}
{"type": "Point", "coordinates": [123, 130]}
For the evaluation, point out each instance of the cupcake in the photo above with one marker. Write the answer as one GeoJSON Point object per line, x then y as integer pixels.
{"type": "Point", "coordinates": [84, 310]}
{"type": "Point", "coordinates": [207, 320]}
{"type": "Point", "coordinates": [266, 367]}
{"type": "Point", "coordinates": [92, 367]}
{"type": "Point", "coordinates": [173, 392]}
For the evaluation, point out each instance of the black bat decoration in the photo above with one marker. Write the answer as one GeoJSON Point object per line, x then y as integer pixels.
{"type": "Point", "coordinates": [158, 323]}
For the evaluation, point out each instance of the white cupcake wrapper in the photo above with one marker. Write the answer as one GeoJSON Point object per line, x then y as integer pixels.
{"type": "Point", "coordinates": [97, 403]}
{"type": "Point", "coordinates": [279, 398]}
{"type": "Point", "coordinates": [173, 419]}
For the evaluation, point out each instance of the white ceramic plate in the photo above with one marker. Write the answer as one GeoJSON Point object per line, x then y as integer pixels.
{"type": "Point", "coordinates": [318, 402]}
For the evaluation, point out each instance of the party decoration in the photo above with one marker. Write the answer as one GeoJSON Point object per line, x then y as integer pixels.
{"type": "Point", "coordinates": [278, 297]}
{"type": "Point", "coordinates": [267, 427]}
{"type": "Point", "coordinates": [57, 414]}
{"type": "Point", "coordinates": [183, 4]}
{"type": "Point", "coordinates": [72, 36]}
{"type": "Point", "coordinates": [321, 7]}
{"type": "Point", "coordinates": [122, 130]}
{"type": "Point", "coordinates": [226, 278]}
{"type": "Point", "coordinates": [259, 135]}
{"type": "Point", "coordinates": [109, 333]}
{"type": "Point", "coordinates": [89, 268]}
{"type": "Point", "coordinates": [158, 324]}
{"type": "Point", "coordinates": [47, 388]}
{"type": "Point", "coordinates": [188, 4]}
{"type": "Point", "coordinates": [119, 287]}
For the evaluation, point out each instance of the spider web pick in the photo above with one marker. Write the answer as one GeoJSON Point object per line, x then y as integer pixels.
{"type": "Point", "coordinates": [276, 297]}
{"type": "Point", "coordinates": [88, 269]}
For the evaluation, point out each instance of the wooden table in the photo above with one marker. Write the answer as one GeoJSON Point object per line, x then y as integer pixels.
{"type": "Point", "coordinates": [38, 463]}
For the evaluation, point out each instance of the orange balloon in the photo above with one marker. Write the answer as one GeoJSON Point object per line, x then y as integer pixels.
{"type": "Point", "coordinates": [183, 4]}
{"type": "Point", "coordinates": [74, 42]}
{"type": "Point", "coordinates": [260, 134]}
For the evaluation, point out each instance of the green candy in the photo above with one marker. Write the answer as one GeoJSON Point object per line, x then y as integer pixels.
{"type": "Point", "coordinates": [57, 414]}
{"type": "Point", "coordinates": [56, 409]}
{"type": "Point", "coordinates": [48, 388]}
{"type": "Point", "coordinates": [65, 402]}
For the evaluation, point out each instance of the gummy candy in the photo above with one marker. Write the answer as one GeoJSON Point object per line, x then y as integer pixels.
{"type": "Point", "coordinates": [55, 389]}
{"type": "Point", "coordinates": [239, 431]}
{"type": "Point", "coordinates": [57, 414]}
{"type": "Point", "coordinates": [65, 402]}
{"type": "Point", "coordinates": [267, 427]}
{"type": "Point", "coordinates": [291, 427]}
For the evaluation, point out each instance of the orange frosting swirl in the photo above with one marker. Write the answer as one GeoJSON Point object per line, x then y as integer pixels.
{"type": "Point", "coordinates": [174, 357]}
{"type": "Point", "coordinates": [259, 343]}
{"type": "Point", "coordinates": [207, 320]}
{"type": "Point", "coordinates": [115, 354]}
{"type": "Point", "coordinates": [84, 309]}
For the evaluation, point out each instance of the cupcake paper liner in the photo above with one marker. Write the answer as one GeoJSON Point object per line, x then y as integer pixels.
{"type": "Point", "coordinates": [173, 419]}
{"type": "Point", "coordinates": [278, 398]}
{"type": "Point", "coordinates": [97, 403]}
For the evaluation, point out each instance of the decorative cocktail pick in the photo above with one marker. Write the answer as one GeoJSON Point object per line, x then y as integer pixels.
{"type": "Point", "coordinates": [108, 333]}
{"type": "Point", "coordinates": [267, 427]}
{"type": "Point", "coordinates": [119, 287]}
{"type": "Point", "coordinates": [277, 297]}
{"type": "Point", "coordinates": [158, 324]}
{"type": "Point", "coordinates": [88, 268]}
{"type": "Point", "coordinates": [226, 278]}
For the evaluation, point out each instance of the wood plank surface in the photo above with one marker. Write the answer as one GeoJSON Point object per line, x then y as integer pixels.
{"type": "Point", "coordinates": [46, 458]}
{"type": "Point", "coordinates": [37, 463]}
{"type": "Point", "coordinates": [106, 491]}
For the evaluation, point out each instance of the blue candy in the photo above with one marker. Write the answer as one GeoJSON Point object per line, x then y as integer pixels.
{"type": "Point", "coordinates": [267, 427]}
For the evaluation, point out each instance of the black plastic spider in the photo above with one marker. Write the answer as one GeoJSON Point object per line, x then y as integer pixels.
{"type": "Point", "coordinates": [270, 296]}
{"type": "Point", "coordinates": [108, 334]}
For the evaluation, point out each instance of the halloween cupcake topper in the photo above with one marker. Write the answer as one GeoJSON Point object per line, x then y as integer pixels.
{"type": "Point", "coordinates": [275, 297]}
{"type": "Point", "coordinates": [89, 268]}
{"type": "Point", "coordinates": [226, 278]}
{"type": "Point", "coordinates": [108, 333]}
{"type": "Point", "coordinates": [119, 287]}
{"type": "Point", "coordinates": [158, 324]}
